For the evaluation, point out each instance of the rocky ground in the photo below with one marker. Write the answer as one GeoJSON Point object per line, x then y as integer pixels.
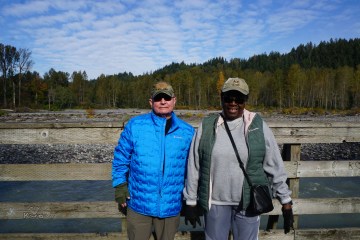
{"type": "Point", "coordinates": [60, 153]}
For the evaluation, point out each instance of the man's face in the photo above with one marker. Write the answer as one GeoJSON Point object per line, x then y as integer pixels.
{"type": "Point", "coordinates": [233, 104]}
{"type": "Point", "coordinates": [162, 104]}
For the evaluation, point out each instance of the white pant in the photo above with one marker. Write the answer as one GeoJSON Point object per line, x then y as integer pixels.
{"type": "Point", "coordinates": [221, 219]}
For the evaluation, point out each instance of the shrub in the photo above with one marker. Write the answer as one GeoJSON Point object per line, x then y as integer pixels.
{"type": "Point", "coordinates": [90, 113]}
{"type": "Point", "coordinates": [3, 113]}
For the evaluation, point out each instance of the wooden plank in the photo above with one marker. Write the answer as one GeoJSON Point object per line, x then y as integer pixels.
{"type": "Point", "coordinates": [311, 124]}
{"type": "Point", "coordinates": [328, 234]}
{"type": "Point", "coordinates": [63, 236]}
{"type": "Point", "coordinates": [275, 235]}
{"type": "Point", "coordinates": [328, 168]}
{"type": "Point", "coordinates": [316, 132]}
{"type": "Point", "coordinates": [316, 135]}
{"type": "Point", "coordinates": [274, 124]}
{"type": "Point", "coordinates": [55, 172]}
{"type": "Point", "coordinates": [60, 136]}
{"type": "Point", "coordinates": [311, 234]}
{"type": "Point", "coordinates": [87, 236]}
{"type": "Point", "coordinates": [60, 125]}
{"type": "Point", "coordinates": [108, 209]}
{"type": "Point", "coordinates": [59, 210]}
{"type": "Point", "coordinates": [305, 234]}
{"type": "Point", "coordinates": [304, 206]}
{"type": "Point", "coordinates": [102, 171]}
{"type": "Point", "coordinates": [108, 133]}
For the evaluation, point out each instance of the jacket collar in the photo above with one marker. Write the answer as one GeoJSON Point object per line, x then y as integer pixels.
{"type": "Point", "coordinates": [159, 121]}
{"type": "Point", "coordinates": [247, 116]}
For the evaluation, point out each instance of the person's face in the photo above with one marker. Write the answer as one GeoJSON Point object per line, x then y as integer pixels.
{"type": "Point", "coordinates": [162, 104]}
{"type": "Point", "coordinates": [233, 104]}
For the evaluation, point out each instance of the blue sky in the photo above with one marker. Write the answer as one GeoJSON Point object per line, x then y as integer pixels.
{"type": "Point", "coordinates": [112, 36]}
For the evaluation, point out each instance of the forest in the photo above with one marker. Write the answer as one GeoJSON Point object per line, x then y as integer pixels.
{"type": "Point", "coordinates": [323, 77]}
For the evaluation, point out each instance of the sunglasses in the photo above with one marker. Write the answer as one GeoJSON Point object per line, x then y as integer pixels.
{"type": "Point", "coordinates": [236, 99]}
{"type": "Point", "coordinates": [159, 97]}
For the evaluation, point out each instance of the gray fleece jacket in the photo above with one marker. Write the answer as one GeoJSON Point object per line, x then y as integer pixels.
{"type": "Point", "coordinates": [226, 177]}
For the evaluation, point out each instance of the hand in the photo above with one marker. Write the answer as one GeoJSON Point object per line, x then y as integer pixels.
{"type": "Point", "coordinates": [191, 215]}
{"type": "Point", "coordinates": [288, 217]}
{"type": "Point", "coordinates": [121, 196]}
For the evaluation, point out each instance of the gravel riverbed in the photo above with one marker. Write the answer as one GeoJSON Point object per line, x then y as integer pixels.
{"type": "Point", "coordinates": [102, 153]}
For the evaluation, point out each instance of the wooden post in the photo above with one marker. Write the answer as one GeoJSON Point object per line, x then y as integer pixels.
{"type": "Point", "coordinates": [290, 152]}
{"type": "Point", "coordinates": [124, 226]}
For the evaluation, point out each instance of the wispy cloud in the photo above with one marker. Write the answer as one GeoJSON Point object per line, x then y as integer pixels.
{"type": "Point", "coordinates": [140, 36]}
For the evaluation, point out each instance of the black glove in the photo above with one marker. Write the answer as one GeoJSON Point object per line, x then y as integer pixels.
{"type": "Point", "coordinates": [121, 195]}
{"type": "Point", "coordinates": [288, 219]}
{"type": "Point", "coordinates": [192, 215]}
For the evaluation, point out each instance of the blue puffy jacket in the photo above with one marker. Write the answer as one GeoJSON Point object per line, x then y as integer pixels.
{"type": "Point", "coordinates": [153, 164]}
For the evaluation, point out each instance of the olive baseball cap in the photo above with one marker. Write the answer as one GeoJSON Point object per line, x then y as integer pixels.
{"type": "Point", "coordinates": [237, 84]}
{"type": "Point", "coordinates": [162, 87]}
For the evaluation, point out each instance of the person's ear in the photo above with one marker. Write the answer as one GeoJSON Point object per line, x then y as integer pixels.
{"type": "Point", "coordinates": [151, 102]}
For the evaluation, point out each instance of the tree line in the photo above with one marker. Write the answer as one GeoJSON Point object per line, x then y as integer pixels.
{"type": "Point", "coordinates": [324, 76]}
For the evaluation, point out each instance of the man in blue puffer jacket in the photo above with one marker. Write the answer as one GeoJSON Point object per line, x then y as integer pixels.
{"type": "Point", "coordinates": [149, 167]}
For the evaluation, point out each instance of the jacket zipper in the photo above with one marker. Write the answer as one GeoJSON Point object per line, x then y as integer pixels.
{"type": "Point", "coordinates": [163, 165]}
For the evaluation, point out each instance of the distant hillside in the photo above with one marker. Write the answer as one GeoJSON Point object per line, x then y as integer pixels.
{"type": "Point", "coordinates": [310, 78]}
{"type": "Point", "coordinates": [332, 54]}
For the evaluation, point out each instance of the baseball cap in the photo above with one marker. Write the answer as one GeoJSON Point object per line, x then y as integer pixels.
{"type": "Point", "coordinates": [237, 84]}
{"type": "Point", "coordinates": [162, 87]}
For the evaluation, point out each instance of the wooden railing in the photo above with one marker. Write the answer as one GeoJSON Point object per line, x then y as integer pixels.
{"type": "Point", "coordinates": [290, 134]}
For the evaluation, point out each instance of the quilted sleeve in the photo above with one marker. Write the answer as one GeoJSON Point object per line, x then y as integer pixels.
{"type": "Point", "coordinates": [122, 157]}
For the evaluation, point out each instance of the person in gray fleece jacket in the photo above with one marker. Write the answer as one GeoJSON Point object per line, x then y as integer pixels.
{"type": "Point", "coordinates": [215, 182]}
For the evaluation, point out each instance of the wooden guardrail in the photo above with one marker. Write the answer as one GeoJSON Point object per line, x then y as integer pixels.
{"type": "Point", "coordinates": [291, 134]}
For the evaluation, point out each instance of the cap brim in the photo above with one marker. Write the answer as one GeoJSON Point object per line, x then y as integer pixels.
{"type": "Point", "coordinates": [236, 89]}
{"type": "Point", "coordinates": [169, 93]}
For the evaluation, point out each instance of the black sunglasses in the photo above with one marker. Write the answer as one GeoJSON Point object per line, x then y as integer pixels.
{"type": "Point", "coordinates": [159, 97]}
{"type": "Point", "coordinates": [236, 99]}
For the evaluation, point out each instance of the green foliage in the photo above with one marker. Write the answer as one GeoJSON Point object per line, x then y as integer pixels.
{"type": "Point", "coordinates": [3, 113]}
{"type": "Point", "coordinates": [309, 79]}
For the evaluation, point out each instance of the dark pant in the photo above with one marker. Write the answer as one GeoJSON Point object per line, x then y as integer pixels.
{"type": "Point", "coordinates": [139, 227]}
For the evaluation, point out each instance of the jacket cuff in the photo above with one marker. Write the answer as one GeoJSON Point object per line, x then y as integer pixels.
{"type": "Point", "coordinates": [117, 182]}
{"type": "Point", "coordinates": [191, 202]}
{"type": "Point", "coordinates": [286, 200]}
